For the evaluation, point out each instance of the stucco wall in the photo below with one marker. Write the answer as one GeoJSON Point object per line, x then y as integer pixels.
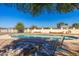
{"type": "Point", "coordinates": [8, 30]}
{"type": "Point", "coordinates": [65, 31]}
{"type": "Point", "coordinates": [76, 31]}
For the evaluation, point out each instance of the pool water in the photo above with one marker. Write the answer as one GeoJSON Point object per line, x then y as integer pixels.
{"type": "Point", "coordinates": [38, 45]}
{"type": "Point", "coordinates": [48, 37]}
{"type": "Point", "coordinates": [24, 36]}
{"type": "Point", "coordinates": [41, 46]}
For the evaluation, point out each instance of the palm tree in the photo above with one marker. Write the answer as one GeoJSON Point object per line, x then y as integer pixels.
{"type": "Point", "coordinates": [67, 7]}
{"type": "Point", "coordinates": [34, 8]}
{"type": "Point", "coordinates": [37, 8]}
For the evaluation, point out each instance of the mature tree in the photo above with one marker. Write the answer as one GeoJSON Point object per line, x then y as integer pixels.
{"type": "Point", "coordinates": [76, 25]}
{"type": "Point", "coordinates": [34, 27]}
{"type": "Point", "coordinates": [20, 27]}
{"type": "Point", "coordinates": [61, 24]}
{"type": "Point", "coordinates": [37, 8]}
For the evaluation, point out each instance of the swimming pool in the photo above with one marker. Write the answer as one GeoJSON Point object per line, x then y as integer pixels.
{"type": "Point", "coordinates": [37, 45]}
{"type": "Point", "coordinates": [50, 37]}
{"type": "Point", "coordinates": [46, 37]}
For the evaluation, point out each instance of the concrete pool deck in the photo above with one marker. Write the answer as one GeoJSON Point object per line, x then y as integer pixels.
{"type": "Point", "coordinates": [4, 42]}
{"type": "Point", "coordinates": [70, 48]}
{"type": "Point", "coordinates": [71, 44]}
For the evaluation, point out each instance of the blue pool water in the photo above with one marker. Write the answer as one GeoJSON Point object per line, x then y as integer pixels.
{"type": "Point", "coordinates": [38, 45]}
{"type": "Point", "coordinates": [48, 37]}
{"type": "Point", "coordinates": [43, 36]}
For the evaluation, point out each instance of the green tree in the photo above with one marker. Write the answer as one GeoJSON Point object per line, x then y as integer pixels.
{"type": "Point", "coordinates": [61, 24]}
{"type": "Point", "coordinates": [66, 7]}
{"type": "Point", "coordinates": [34, 27]}
{"type": "Point", "coordinates": [37, 8]}
{"type": "Point", "coordinates": [76, 25]}
{"type": "Point", "coordinates": [20, 27]}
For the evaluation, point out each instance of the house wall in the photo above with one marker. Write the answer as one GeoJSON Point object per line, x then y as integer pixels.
{"type": "Point", "coordinates": [8, 30]}
{"type": "Point", "coordinates": [47, 31]}
{"type": "Point", "coordinates": [64, 31]}
{"type": "Point", "coordinates": [75, 31]}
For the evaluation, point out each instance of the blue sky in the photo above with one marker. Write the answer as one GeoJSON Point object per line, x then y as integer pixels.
{"type": "Point", "coordinates": [10, 16]}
